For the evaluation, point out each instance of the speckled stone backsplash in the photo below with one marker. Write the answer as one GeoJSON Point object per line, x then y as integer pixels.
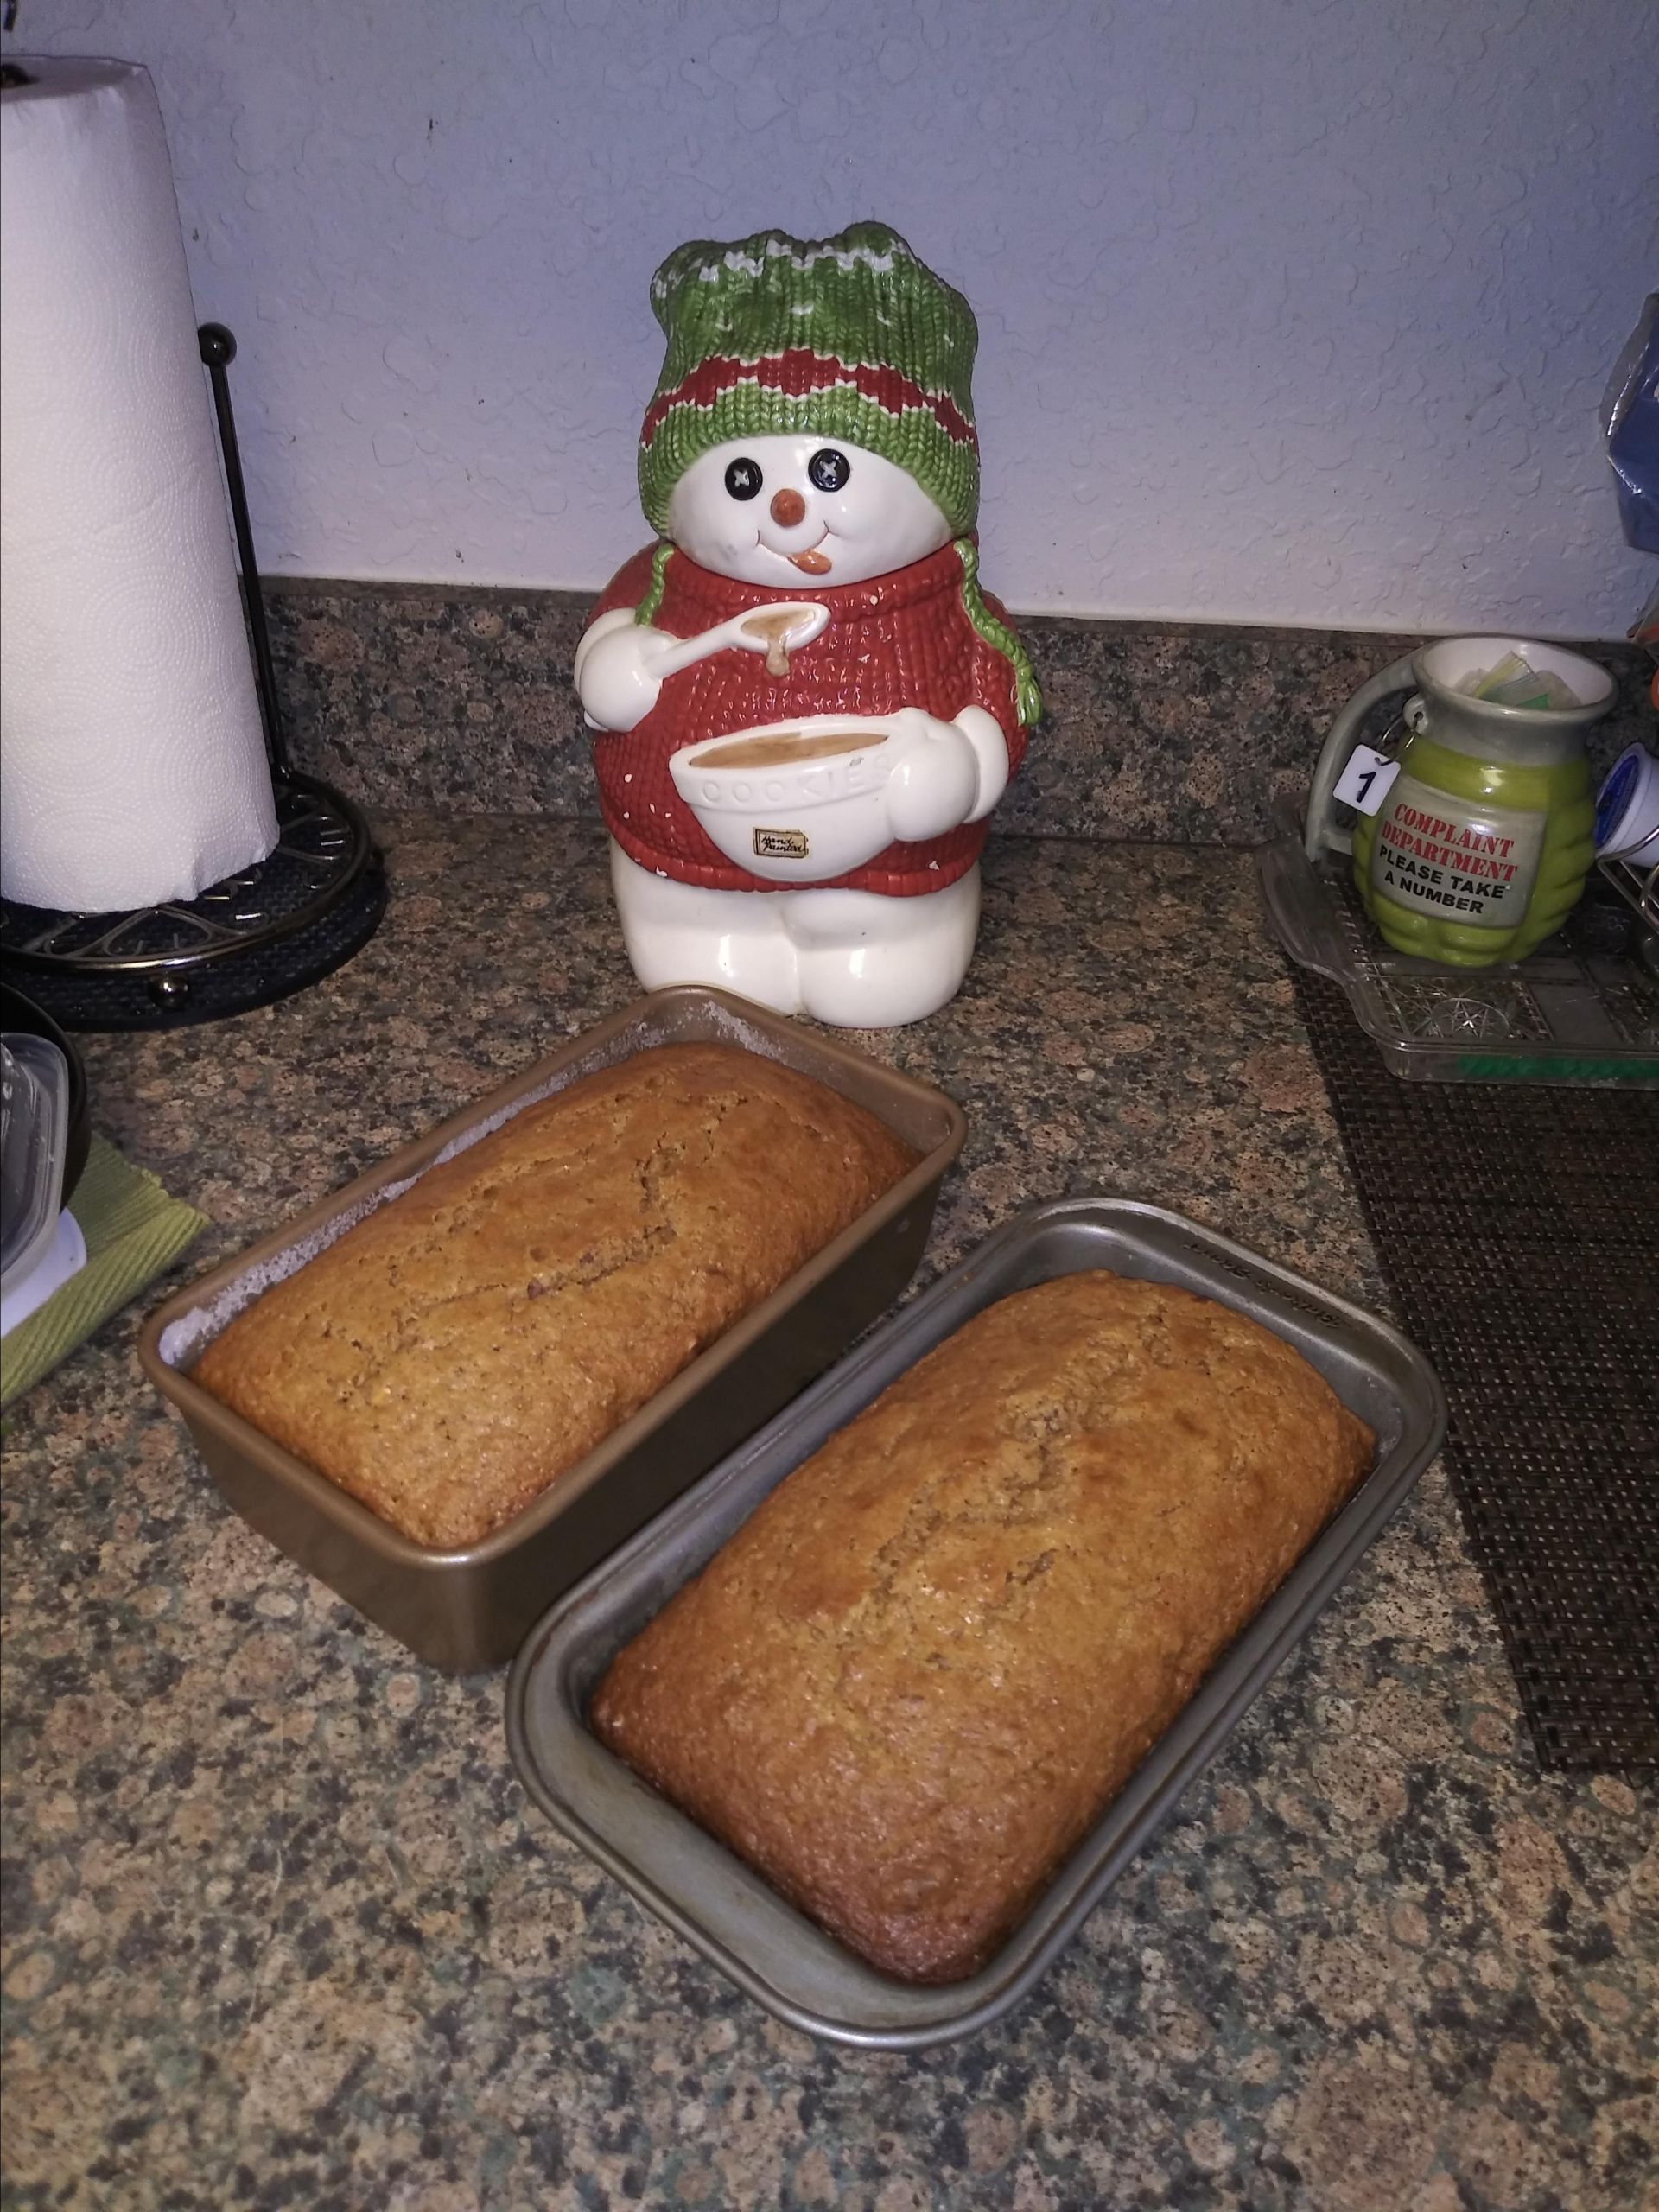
{"type": "Point", "coordinates": [418, 696]}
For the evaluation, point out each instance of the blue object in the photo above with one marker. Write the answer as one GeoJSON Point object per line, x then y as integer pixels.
{"type": "Point", "coordinates": [1630, 423]}
{"type": "Point", "coordinates": [1615, 794]}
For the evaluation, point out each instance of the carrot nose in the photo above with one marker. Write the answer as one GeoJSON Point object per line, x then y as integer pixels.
{"type": "Point", "coordinates": [787, 509]}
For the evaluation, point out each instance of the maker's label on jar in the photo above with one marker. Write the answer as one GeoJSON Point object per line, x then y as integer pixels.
{"type": "Point", "coordinates": [780, 845]}
{"type": "Point", "coordinates": [1473, 865]}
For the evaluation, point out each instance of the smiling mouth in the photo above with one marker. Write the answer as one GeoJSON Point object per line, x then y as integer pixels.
{"type": "Point", "coordinates": [812, 562]}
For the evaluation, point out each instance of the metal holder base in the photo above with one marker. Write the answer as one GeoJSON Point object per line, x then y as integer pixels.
{"type": "Point", "coordinates": [260, 935]}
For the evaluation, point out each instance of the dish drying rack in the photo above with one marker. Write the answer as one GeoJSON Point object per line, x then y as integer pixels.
{"type": "Point", "coordinates": [1637, 887]}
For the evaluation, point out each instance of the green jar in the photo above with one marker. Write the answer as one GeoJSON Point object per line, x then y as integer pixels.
{"type": "Point", "coordinates": [1481, 847]}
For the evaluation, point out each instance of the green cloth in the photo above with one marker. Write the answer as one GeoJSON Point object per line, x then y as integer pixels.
{"type": "Point", "coordinates": [133, 1230]}
{"type": "Point", "coordinates": [845, 338]}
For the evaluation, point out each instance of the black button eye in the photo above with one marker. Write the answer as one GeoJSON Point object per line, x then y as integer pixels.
{"type": "Point", "coordinates": [743, 479]}
{"type": "Point", "coordinates": [829, 469]}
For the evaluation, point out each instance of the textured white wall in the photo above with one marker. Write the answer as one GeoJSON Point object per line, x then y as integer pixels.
{"type": "Point", "coordinates": [1291, 311]}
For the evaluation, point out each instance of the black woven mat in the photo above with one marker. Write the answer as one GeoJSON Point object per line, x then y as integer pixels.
{"type": "Point", "coordinates": [1519, 1231]}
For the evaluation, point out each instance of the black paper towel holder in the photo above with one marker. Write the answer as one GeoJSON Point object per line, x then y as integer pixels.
{"type": "Point", "coordinates": [259, 935]}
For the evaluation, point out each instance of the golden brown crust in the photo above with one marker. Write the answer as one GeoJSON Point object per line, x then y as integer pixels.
{"type": "Point", "coordinates": [460, 1349]}
{"type": "Point", "coordinates": [919, 1673]}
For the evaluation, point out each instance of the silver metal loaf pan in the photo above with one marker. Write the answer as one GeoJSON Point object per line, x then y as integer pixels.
{"type": "Point", "coordinates": [469, 1609]}
{"type": "Point", "coordinates": [730, 1915]}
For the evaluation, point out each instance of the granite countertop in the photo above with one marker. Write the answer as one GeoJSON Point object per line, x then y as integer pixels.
{"type": "Point", "coordinates": [282, 1930]}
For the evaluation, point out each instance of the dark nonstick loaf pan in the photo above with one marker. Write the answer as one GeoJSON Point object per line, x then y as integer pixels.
{"type": "Point", "coordinates": [728, 1912]}
{"type": "Point", "coordinates": [469, 1609]}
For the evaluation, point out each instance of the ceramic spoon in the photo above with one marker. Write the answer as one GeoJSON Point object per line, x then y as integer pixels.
{"type": "Point", "coordinates": [810, 618]}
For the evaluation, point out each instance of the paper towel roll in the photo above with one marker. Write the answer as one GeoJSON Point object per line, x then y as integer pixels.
{"type": "Point", "coordinates": [132, 766]}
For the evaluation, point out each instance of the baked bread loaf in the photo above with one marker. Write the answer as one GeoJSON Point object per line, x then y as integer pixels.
{"type": "Point", "coordinates": [460, 1348]}
{"type": "Point", "coordinates": [916, 1675]}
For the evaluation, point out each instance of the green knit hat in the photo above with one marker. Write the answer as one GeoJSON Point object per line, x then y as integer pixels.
{"type": "Point", "coordinates": [850, 337]}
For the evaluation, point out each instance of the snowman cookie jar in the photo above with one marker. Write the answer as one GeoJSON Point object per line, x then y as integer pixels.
{"type": "Point", "coordinates": [804, 707]}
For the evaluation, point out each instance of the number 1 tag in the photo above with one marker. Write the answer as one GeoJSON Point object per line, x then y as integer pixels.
{"type": "Point", "coordinates": [1367, 779]}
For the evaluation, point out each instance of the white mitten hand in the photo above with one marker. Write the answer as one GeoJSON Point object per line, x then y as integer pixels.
{"type": "Point", "coordinates": [984, 732]}
{"type": "Point", "coordinates": [615, 681]}
{"type": "Point", "coordinates": [621, 665]}
{"type": "Point", "coordinates": [935, 785]}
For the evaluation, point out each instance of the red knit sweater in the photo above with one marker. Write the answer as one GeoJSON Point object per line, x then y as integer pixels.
{"type": "Point", "coordinates": [899, 640]}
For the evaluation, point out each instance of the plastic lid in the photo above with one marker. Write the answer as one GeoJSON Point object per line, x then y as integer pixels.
{"type": "Point", "coordinates": [1627, 806]}
{"type": "Point", "coordinates": [34, 1135]}
{"type": "Point", "coordinates": [1616, 795]}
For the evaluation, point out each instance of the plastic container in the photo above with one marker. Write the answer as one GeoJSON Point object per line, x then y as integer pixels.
{"type": "Point", "coordinates": [723, 1908]}
{"type": "Point", "coordinates": [40, 1244]}
{"type": "Point", "coordinates": [18, 1014]}
{"type": "Point", "coordinates": [1558, 1016]}
{"type": "Point", "coordinates": [469, 1609]}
